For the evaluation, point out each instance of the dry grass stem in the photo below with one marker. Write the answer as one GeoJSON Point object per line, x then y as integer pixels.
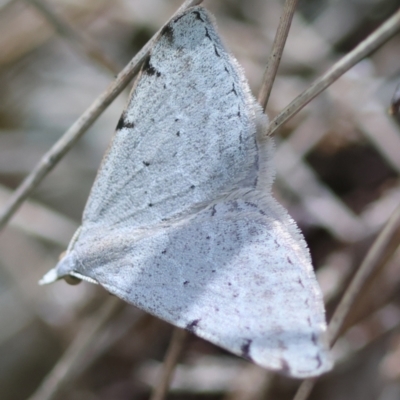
{"type": "Point", "coordinates": [366, 47]}
{"type": "Point", "coordinates": [383, 248]}
{"type": "Point", "coordinates": [79, 40]}
{"type": "Point", "coordinates": [276, 54]}
{"type": "Point", "coordinates": [171, 360]}
{"type": "Point", "coordinates": [305, 389]}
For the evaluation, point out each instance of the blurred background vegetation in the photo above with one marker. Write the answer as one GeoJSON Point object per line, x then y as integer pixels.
{"type": "Point", "coordinates": [338, 168]}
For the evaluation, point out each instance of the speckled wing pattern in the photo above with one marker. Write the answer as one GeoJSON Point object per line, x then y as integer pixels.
{"type": "Point", "coordinates": [181, 221]}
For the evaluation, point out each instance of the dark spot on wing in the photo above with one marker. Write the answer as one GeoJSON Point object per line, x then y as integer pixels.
{"type": "Point", "coordinates": [178, 134]}
{"type": "Point", "coordinates": [150, 204]}
{"type": "Point", "coordinates": [214, 211]}
{"type": "Point", "coordinates": [192, 187]}
{"type": "Point", "coordinates": [207, 237]}
{"type": "Point", "coordinates": [289, 261]}
{"type": "Point", "coordinates": [164, 251]}
{"type": "Point", "coordinates": [314, 338]}
{"type": "Point", "coordinates": [282, 345]}
{"type": "Point", "coordinates": [165, 86]}
{"type": "Point", "coordinates": [167, 31]}
{"type": "Point", "coordinates": [213, 270]}
{"type": "Point", "coordinates": [234, 90]}
{"type": "Point", "coordinates": [198, 16]}
{"type": "Point", "coordinates": [319, 361]}
{"type": "Point", "coordinates": [226, 69]}
{"type": "Point", "coordinates": [123, 123]}
{"type": "Point", "coordinates": [248, 203]}
{"type": "Point", "coordinates": [178, 18]}
{"type": "Point", "coordinates": [300, 281]}
{"type": "Point", "coordinates": [208, 35]}
{"type": "Point", "coordinates": [186, 282]}
{"type": "Point", "coordinates": [245, 349]}
{"type": "Point", "coordinates": [216, 51]}
{"type": "Point", "coordinates": [191, 327]}
{"type": "Point", "coordinates": [146, 163]}
{"type": "Point", "coordinates": [149, 69]}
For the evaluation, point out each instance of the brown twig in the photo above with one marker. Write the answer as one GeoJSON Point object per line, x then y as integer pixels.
{"type": "Point", "coordinates": [366, 47]}
{"type": "Point", "coordinates": [171, 359]}
{"type": "Point", "coordinates": [81, 125]}
{"type": "Point", "coordinates": [79, 40]}
{"type": "Point", "coordinates": [305, 389]}
{"type": "Point", "coordinates": [383, 247]}
{"type": "Point", "coordinates": [276, 53]}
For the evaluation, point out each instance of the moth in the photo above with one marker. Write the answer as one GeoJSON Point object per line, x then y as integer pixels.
{"type": "Point", "coordinates": [181, 221]}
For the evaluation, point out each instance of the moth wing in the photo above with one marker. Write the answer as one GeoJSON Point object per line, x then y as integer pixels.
{"type": "Point", "coordinates": [232, 274]}
{"type": "Point", "coordinates": [189, 126]}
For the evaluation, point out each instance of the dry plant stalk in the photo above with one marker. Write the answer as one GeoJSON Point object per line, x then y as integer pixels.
{"type": "Point", "coordinates": [383, 248]}
{"type": "Point", "coordinates": [80, 41]}
{"type": "Point", "coordinates": [174, 351]}
{"type": "Point", "coordinates": [365, 48]}
{"type": "Point", "coordinates": [274, 58]}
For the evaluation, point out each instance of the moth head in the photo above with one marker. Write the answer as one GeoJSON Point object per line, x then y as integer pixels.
{"type": "Point", "coordinates": [65, 269]}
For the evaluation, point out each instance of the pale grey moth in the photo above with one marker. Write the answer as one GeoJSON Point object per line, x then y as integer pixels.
{"type": "Point", "coordinates": [181, 221]}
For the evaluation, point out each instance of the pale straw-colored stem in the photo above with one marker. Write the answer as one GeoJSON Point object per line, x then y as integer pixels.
{"type": "Point", "coordinates": [366, 47]}
{"type": "Point", "coordinates": [274, 58]}
{"type": "Point", "coordinates": [171, 359]}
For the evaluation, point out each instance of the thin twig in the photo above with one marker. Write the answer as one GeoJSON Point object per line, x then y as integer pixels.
{"type": "Point", "coordinates": [276, 53]}
{"type": "Point", "coordinates": [81, 125]}
{"type": "Point", "coordinates": [366, 47]}
{"type": "Point", "coordinates": [75, 37]}
{"type": "Point", "coordinates": [305, 389]}
{"type": "Point", "coordinates": [69, 364]}
{"type": "Point", "coordinates": [171, 359]}
{"type": "Point", "coordinates": [382, 249]}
